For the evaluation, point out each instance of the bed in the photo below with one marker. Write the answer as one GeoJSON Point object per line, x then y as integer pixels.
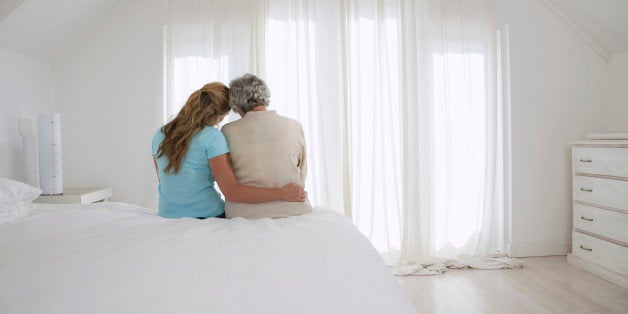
{"type": "Point", "coordinates": [120, 258]}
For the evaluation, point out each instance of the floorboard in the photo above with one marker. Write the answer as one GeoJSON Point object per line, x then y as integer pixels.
{"type": "Point", "coordinates": [543, 285]}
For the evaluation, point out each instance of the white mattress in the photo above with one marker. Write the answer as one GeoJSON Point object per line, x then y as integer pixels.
{"type": "Point", "coordinates": [119, 258]}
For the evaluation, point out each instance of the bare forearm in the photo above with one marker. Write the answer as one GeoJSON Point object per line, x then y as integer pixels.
{"type": "Point", "coordinates": [241, 193]}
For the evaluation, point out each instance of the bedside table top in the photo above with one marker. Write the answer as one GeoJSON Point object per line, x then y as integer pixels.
{"type": "Point", "coordinates": [77, 196]}
{"type": "Point", "coordinates": [80, 191]}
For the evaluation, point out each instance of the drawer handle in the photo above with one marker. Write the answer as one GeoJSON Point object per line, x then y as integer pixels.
{"type": "Point", "coordinates": [587, 219]}
{"type": "Point", "coordinates": [585, 160]}
{"type": "Point", "coordinates": [586, 190]}
{"type": "Point", "coordinates": [586, 249]}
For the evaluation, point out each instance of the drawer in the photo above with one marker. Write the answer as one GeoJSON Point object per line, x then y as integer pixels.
{"type": "Point", "coordinates": [603, 253]}
{"type": "Point", "coordinates": [608, 161]}
{"type": "Point", "coordinates": [599, 191]}
{"type": "Point", "coordinates": [606, 223]}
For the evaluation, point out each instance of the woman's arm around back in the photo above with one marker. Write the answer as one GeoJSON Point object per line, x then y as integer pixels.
{"type": "Point", "coordinates": [240, 193]}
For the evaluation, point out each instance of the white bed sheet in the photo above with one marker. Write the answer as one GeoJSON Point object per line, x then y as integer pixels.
{"type": "Point", "coordinates": [120, 258]}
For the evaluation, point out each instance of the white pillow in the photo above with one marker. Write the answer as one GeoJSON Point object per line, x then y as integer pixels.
{"type": "Point", "coordinates": [14, 191]}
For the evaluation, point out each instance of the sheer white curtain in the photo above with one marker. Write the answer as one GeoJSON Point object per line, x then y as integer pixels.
{"type": "Point", "coordinates": [453, 190]}
{"type": "Point", "coordinates": [398, 102]}
{"type": "Point", "coordinates": [305, 78]}
{"type": "Point", "coordinates": [208, 40]}
{"type": "Point", "coordinates": [284, 43]}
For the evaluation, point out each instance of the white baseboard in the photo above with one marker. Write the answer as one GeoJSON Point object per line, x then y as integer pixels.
{"type": "Point", "coordinates": [538, 249]}
{"type": "Point", "coordinates": [599, 271]}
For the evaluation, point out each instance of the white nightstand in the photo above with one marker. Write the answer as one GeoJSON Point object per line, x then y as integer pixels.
{"type": "Point", "coordinates": [77, 196]}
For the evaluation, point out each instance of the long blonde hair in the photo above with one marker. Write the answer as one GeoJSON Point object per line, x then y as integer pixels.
{"type": "Point", "coordinates": [205, 107]}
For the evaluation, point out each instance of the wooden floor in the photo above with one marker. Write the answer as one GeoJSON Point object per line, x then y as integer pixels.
{"type": "Point", "coordinates": [543, 285]}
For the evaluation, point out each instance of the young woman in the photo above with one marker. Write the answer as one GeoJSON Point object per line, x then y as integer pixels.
{"type": "Point", "coordinates": [190, 154]}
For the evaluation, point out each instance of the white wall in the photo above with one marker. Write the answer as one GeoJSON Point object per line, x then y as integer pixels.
{"type": "Point", "coordinates": [618, 95]}
{"type": "Point", "coordinates": [109, 91]}
{"type": "Point", "coordinates": [559, 94]}
{"type": "Point", "coordinates": [26, 88]}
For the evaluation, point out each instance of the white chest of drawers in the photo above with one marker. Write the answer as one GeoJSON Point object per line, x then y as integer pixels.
{"type": "Point", "coordinates": [600, 209]}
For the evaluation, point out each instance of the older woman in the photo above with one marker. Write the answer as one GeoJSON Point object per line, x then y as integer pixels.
{"type": "Point", "coordinates": [267, 149]}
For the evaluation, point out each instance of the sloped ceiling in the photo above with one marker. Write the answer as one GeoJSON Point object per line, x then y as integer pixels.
{"type": "Point", "coordinates": [44, 29]}
{"type": "Point", "coordinates": [605, 21]}
{"type": "Point", "coordinates": [8, 6]}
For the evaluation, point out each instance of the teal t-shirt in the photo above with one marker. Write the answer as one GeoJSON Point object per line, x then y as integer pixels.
{"type": "Point", "coordinates": [191, 192]}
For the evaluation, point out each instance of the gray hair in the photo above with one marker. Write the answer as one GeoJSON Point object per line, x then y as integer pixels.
{"type": "Point", "coordinates": [248, 92]}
